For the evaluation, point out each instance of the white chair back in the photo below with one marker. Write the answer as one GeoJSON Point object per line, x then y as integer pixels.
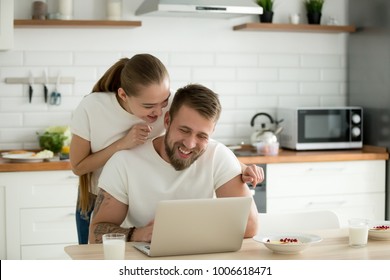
{"type": "Point", "coordinates": [297, 221]}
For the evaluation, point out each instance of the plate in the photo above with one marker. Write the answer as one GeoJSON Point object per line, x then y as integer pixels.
{"type": "Point", "coordinates": [300, 243]}
{"type": "Point", "coordinates": [376, 234]}
{"type": "Point", "coordinates": [24, 153]}
{"type": "Point", "coordinates": [25, 157]}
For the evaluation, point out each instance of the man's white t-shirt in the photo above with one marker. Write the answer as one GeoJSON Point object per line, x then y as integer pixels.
{"type": "Point", "coordinates": [140, 178]}
{"type": "Point", "coordinates": [101, 120]}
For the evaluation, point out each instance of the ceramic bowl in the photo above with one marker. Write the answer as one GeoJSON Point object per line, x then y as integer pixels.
{"type": "Point", "coordinates": [379, 230]}
{"type": "Point", "coordinates": [300, 242]}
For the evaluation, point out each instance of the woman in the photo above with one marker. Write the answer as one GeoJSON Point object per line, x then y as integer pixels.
{"type": "Point", "coordinates": [122, 112]}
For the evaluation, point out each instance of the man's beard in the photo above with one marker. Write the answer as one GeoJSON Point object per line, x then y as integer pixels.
{"type": "Point", "coordinates": [179, 163]}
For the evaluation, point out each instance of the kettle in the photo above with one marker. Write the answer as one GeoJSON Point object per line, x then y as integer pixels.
{"type": "Point", "coordinates": [265, 135]}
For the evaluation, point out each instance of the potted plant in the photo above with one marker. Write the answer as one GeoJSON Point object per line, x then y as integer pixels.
{"type": "Point", "coordinates": [267, 6]}
{"type": "Point", "coordinates": [314, 10]}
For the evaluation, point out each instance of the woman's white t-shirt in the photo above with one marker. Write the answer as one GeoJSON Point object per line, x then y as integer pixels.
{"type": "Point", "coordinates": [101, 120]}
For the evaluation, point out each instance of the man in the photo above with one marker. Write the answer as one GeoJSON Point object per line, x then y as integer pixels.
{"type": "Point", "coordinates": [182, 164]}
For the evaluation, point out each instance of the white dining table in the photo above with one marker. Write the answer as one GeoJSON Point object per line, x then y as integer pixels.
{"type": "Point", "coordinates": [334, 246]}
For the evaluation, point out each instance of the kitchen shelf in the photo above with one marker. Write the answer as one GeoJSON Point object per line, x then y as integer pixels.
{"type": "Point", "coordinates": [75, 23]}
{"type": "Point", "coordinates": [283, 27]}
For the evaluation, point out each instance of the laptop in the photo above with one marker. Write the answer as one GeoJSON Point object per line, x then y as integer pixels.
{"type": "Point", "coordinates": [198, 226]}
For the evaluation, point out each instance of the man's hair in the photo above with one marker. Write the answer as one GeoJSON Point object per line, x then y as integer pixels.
{"type": "Point", "coordinates": [199, 98]}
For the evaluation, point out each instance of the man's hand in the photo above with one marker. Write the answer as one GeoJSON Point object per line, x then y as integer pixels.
{"type": "Point", "coordinates": [253, 174]}
{"type": "Point", "coordinates": [143, 234]}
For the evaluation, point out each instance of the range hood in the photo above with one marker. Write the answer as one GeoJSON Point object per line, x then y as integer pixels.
{"type": "Point", "coordinates": [199, 8]}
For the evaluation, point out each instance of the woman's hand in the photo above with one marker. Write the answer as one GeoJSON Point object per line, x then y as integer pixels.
{"type": "Point", "coordinates": [252, 174]}
{"type": "Point", "coordinates": [83, 160]}
{"type": "Point", "coordinates": [137, 135]}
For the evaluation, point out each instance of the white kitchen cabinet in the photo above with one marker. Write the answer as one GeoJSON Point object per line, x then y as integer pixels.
{"type": "Point", "coordinates": [6, 24]}
{"type": "Point", "coordinates": [40, 207]}
{"type": "Point", "coordinates": [3, 247]}
{"type": "Point", "coordinates": [350, 188]}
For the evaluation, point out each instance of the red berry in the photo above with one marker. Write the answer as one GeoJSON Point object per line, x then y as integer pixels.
{"type": "Point", "coordinates": [382, 227]}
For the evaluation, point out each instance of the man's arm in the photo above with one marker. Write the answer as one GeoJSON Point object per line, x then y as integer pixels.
{"type": "Point", "coordinates": [235, 187]}
{"type": "Point", "coordinates": [108, 215]}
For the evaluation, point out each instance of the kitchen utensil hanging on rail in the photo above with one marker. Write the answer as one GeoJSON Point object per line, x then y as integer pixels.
{"type": "Point", "coordinates": [45, 83]}
{"type": "Point", "coordinates": [55, 96]}
{"type": "Point", "coordinates": [30, 87]}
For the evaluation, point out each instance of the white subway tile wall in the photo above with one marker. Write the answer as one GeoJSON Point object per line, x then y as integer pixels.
{"type": "Point", "coordinates": [252, 71]}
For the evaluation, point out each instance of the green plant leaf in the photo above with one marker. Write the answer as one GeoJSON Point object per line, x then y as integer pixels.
{"type": "Point", "coordinates": [267, 5]}
{"type": "Point", "coordinates": [314, 6]}
{"type": "Point", "coordinates": [52, 141]}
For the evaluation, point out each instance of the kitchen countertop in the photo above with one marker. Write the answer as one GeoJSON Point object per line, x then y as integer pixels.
{"type": "Point", "coordinates": [56, 164]}
{"type": "Point", "coordinates": [284, 156]}
{"type": "Point", "coordinates": [291, 156]}
{"type": "Point", "coordinates": [334, 246]}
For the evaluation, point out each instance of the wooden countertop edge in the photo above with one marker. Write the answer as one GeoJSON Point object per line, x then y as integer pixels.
{"type": "Point", "coordinates": [36, 166]}
{"type": "Point", "coordinates": [311, 158]}
{"type": "Point", "coordinates": [289, 156]}
{"type": "Point", "coordinates": [284, 156]}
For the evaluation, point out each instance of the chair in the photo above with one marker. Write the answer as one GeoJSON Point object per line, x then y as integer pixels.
{"type": "Point", "coordinates": [297, 221]}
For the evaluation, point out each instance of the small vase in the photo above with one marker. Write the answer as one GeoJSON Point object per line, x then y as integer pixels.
{"type": "Point", "coordinates": [266, 16]}
{"type": "Point", "coordinates": [114, 9]}
{"type": "Point", "coordinates": [65, 8]}
{"type": "Point", "coordinates": [314, 18]}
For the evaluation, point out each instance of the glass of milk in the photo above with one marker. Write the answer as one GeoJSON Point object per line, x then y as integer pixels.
{"type": "Point", "coordinates": [358, 232]}
{"type": "Point", "coordinates": [114, 246]}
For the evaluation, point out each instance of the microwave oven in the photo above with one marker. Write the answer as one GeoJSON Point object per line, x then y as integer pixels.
{"type": "Point", "coordinates": [321, 128]}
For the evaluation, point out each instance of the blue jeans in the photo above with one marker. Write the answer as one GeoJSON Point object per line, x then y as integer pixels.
{"type": "Point", "coordinates": [83, 220]}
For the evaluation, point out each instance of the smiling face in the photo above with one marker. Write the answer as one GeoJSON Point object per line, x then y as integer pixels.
{"type": "Point", "coordinates": [187, 136]}
{"type": "Point", "coordinates": [149, 102]}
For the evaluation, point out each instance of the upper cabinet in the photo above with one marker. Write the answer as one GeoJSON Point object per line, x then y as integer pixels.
{"type": "Point", "coordinates": [6, 24]}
